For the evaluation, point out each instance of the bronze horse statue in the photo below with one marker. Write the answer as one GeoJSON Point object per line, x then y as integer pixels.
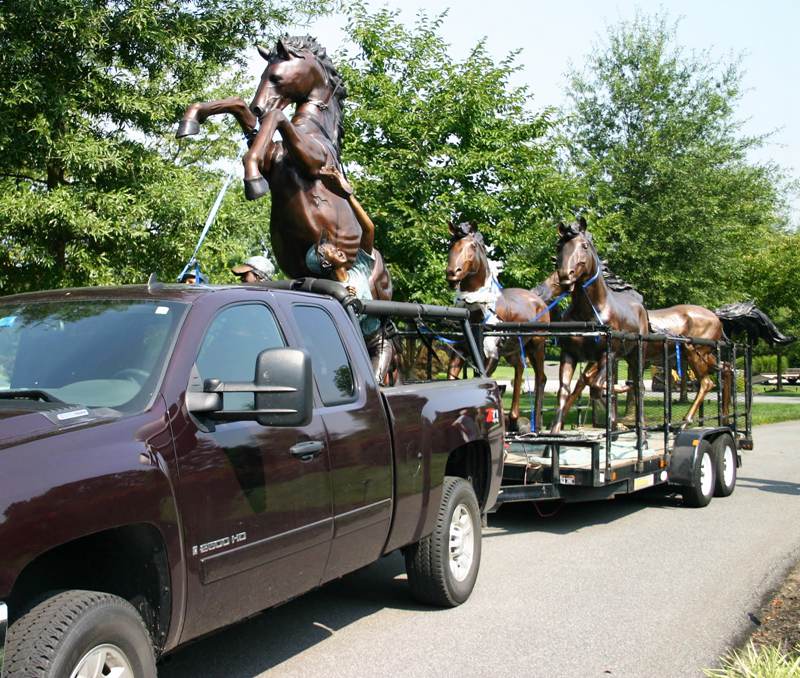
{"type": "Point", "coordinates": [685, 321]}
{"type": "Point", "coordinates": [307, 207]}
{"type": "Point", "coordinates": [470, 273]}
{"type": "Point", "coordinates": [580, 271]}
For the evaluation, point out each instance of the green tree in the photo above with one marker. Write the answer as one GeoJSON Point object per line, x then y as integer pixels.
{"type": "Point", "coordinates": [653, 135]}
{"type": "Point", "coordinates": [93, 187]}
{"type": "Point", "coordinates": [429, 138]}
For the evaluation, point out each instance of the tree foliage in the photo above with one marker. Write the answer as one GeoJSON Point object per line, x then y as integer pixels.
{"type": "Point", "coordinates": [429, 139]}
{"type": "Point", "coordinates": [653, 135]}
{"type": "Point", "coordinates": [93, 186]}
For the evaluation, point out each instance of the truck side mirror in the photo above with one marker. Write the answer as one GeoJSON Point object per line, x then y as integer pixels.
{"type": "Point", "coordinates": [282, 387]}
{"type": "Point", "coordinates": [288, 398]}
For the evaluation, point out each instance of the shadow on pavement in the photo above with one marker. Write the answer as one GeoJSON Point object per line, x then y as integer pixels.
{"type": "Point", "coordinates": [265, 641]}
{"type": "Point", "coordinates": [767, 485]}
{"type": "Point", "coordinates": [554, 519]}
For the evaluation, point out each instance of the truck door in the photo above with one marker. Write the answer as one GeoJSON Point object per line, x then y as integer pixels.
{"type": "Point", "coordinates": [358, 435]}
{"type": "Point", "coordinates": [258, 517]}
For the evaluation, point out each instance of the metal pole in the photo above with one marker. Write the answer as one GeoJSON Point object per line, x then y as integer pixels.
{"type": "Point", "coordinates": [609, 386]}
{"type": "Point", "coordinates": [667, 394]}
{"type": "Point", "coordinates": [734, 393]}
{"type": "Point", "coordinates": [639, 399]}
{"type": "Point", "coordinates": [720, 380]}
{"type": "Point", "coordinates": [748, 387]}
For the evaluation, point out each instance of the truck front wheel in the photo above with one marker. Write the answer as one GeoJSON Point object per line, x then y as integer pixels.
{"type": "Point", "coordinates": [80, 634]}
{"type": "Point", "coordinates": [442, 567]}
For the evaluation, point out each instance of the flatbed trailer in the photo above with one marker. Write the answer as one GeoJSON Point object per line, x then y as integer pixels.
{"type": "Point", "coordinates": [600, 462]}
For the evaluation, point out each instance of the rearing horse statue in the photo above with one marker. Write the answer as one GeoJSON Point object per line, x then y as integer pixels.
{"type": "Point", "coordinates": [306, 206]}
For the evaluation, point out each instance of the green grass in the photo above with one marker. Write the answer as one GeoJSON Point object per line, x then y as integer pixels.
{"type": "Point", "coordinates": [763, 413]}
{"type": "Point", "coordinates": [758, 662]}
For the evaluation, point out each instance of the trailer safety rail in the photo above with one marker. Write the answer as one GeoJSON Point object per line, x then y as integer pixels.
{"type": "Point", "coordinates": [593, 480]}
{"type": "Point", "coordinates": [441, 330]}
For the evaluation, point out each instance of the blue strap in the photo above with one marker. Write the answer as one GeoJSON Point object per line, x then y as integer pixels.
{"type": "Point", "coordinates": [427, 330]}
{"type": "Point", "coordinates": [530, 395]}
{"type": "Point", "coordinates": [209, 221]}
{"type": "Point", "coordinates": [678, 359]}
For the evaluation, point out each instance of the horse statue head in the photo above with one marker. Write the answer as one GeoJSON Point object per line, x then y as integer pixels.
{"type": "Point", "coordinates": [467, 255]}
{"type": "Point", "coordinates": [300, 71]}
{"type": "Point", "coordinates": [576, 257]}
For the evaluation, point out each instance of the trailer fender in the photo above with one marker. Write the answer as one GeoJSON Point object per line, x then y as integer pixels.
{"type": "Point", "coordinates": [684, 454]}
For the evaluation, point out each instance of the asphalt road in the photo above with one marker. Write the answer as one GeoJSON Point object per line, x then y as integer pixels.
{"type": "Point", "coordinates": [639, 587]}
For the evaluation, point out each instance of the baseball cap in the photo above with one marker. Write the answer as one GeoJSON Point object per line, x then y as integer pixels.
{"type": "Point", "coordinates": [259, 265]}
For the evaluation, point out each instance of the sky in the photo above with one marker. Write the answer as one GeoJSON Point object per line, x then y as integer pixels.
{"type": "Point", "coordinates": [554, 36]}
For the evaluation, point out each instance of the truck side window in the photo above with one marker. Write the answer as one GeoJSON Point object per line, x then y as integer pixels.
{"type": "Point", "coordinates": [328, 358]}
{"type": "Point", "coordinates": [231, 345]}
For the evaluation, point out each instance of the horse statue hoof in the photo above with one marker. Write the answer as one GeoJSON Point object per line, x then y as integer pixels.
{"type": "Point", "coordinates": [255, 188]}
{"type": "Point", "coordinates": [187, 128]}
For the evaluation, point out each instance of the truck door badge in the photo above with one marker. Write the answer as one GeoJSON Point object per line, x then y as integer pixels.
{"type": "Point", "coordinates": [238, 538]}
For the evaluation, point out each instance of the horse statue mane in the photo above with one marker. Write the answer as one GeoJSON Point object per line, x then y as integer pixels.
{"type": "Point", "coordinates": [295, 44]}
{"type": "Point", "coordinates": [616, 283]}
{"type": "Point", "coordinates": [464, 229]}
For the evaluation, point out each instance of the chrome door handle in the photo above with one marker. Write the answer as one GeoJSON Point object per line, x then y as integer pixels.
{"type": "Point", "coordinates": [306, 451]}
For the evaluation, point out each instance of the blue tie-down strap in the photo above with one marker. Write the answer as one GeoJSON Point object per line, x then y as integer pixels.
{"type": "Point", "coordinates": [527, 379]}
{"type": "Point", "coordinates": [427, 330]}
{"type": "Point", "coordinates": [678, 360]}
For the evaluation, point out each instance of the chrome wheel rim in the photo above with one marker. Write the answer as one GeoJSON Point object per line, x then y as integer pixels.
{"type": "Point", "coordinates": [103, 661]}
{"type": "Point", "coordinates": [728, 466]}
{"type": "Point", "coordinates": [462, 543]}
{"type": "Point", "coordinates": [706, 475]}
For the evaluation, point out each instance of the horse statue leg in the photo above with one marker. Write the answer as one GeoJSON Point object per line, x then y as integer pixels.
{"type": "Point", "coordinates": [519, 372]}
{"type": "Point", "coordinates": [565, 371]}
{"type": "Point", "coordinates": [309, 154]}
{"type": "Point", "coordinates": [702, 365]}
{"type": "Point", "coordinates": [198, 112]}
{"type": "Point", "coordinates": [537, 359]}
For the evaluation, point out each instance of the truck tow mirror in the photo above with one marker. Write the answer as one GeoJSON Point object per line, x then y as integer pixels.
{"type": "Point", "coordinates": [282, 388]}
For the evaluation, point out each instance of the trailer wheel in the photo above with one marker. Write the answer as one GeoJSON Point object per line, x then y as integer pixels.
{"type": "Point", "coordinates": [442, 567]}
{"type": "Point", "coordinates": [700, 492]}
{"type": "Point", "coordinates": [77, 634]}
{"type": "Point", "coordinates": [724, 452]}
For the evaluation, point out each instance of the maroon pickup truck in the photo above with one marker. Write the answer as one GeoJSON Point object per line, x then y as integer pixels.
{"type": "Point", "coordinates": [174, 459]}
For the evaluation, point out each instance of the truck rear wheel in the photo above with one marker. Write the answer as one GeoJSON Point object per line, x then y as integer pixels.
{"type": "Point", "coordinates": [442, 567]}
{"type": "Point", "coordinates": [80, 634]}
{"type": "Point", "coordinates": [704, 475]}
{"type": "Point", "coordinates": [723, 450]}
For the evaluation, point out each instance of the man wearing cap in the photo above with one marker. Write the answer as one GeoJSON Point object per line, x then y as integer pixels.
{"type": "Point", "coordinates": [254, 270]}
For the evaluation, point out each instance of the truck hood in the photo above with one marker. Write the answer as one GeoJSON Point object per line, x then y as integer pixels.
{"type": "Point", "coordinates": [22, 423]}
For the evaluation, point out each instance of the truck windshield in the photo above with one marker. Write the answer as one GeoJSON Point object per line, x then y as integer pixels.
{"type": "Point", "coordinates": [90, 353]}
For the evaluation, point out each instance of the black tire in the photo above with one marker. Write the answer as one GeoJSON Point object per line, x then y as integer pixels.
{"type": "Point", "coordinates": [723, 450]}
{"type": "Point", "coordinates": [428, 562]}
{"type": "Point", "coordinates": [700, 492]}
{"type": "Point", "coordinates": [51, 639]}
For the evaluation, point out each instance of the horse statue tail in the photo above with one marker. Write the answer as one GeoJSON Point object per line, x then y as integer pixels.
{"type": "Point", "coordinates": [743, 316]}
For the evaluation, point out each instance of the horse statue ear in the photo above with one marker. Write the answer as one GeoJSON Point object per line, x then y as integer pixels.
{"type": "Point", "coordinates": [562, 229]}
{"type": "Point", "coordinates": [453, 228]}
{"type": "Point", "coordinates": [264, 52]}
{"type": "Point", "coordinates": [472, 227]}
{"type": "Point", "coordinates": [280, 48]}
{"type": "Point", "coordinates": [582, 224]}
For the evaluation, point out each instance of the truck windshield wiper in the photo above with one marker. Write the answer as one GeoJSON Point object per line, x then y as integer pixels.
{"type": "Point", "coordinates": [29, 394]}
